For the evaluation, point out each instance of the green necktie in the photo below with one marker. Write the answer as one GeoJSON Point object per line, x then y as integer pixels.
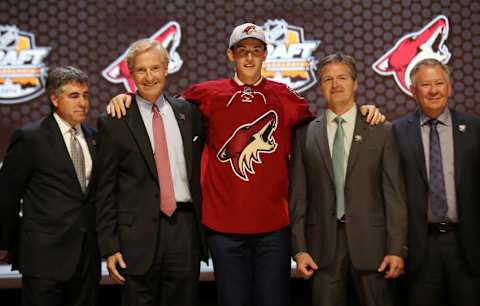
{"type": "Point", "coordinates": [338, 158]}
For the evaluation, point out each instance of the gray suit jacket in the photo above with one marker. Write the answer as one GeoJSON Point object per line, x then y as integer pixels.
{"type": "Point", "coordinates": [375, 209]}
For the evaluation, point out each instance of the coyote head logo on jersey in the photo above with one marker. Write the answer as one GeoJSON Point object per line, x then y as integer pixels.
{"type": "Point", "coordinates": [247, 142]}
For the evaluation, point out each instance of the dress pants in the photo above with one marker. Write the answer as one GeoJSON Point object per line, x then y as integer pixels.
{"type": "Point", "coordinates": [444, 276]}
{"type": "Point", "coordinates": [251, 269]}
{"type": "Point", "coordinates": [80, 290]}
{"type": "Point", "coordinates": [172, 280]}
{"type": "Point", "coordinates": [337, 284]}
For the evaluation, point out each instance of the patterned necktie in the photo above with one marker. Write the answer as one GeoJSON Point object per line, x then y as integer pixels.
{"type": "Point", "coordinates": [338, 158]}
{"type": "Point", "coordinates": [168, 203]}
{"type": "Point", "coordinates": [77, 158]}
{"type": "Point", "coordinates": [438, 198]}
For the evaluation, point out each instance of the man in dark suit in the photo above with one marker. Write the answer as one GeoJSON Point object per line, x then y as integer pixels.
{"type": "Point", "coordinates": [440, 155]}
{"type": "Point", "coordinates": [149, 198]}
{"type": "Point", "coordinates": [50, 165]}
{"type": "Point", "coordinates": [347, 198]}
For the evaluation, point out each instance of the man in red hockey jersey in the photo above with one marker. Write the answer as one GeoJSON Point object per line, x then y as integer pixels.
{"type": "Point", "coordinates": [249, 121]}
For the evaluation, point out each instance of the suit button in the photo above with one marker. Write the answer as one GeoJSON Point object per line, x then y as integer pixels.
{"type": "Point", "coordinates": [156, 195]}
{"type": "Point", "coordinates": [155, 219]}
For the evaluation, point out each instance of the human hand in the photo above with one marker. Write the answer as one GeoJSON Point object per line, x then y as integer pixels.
{"type": "Point", "coordinates": [118, 105]}
{"type": "Point", "coordinates": [306, 266]}
{"type": "Point", "coordinates": [112, 262]}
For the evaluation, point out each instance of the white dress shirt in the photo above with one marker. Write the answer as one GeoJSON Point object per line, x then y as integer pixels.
{"type": "Point", "coordinates": [174, 142]}
{"type": "Point", "coordinates": [65, 128]}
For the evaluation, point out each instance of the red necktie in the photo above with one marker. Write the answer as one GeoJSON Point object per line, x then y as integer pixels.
{"type": "Point", "coordinates": [168, 204]}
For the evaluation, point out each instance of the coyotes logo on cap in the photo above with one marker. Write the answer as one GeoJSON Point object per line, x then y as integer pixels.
{"type": "Point", "coordinates": [429, 42]}
{"type": "Point", "coordinates": [22, 70]}
{"type": "Point", "coordinates": [169, 35]}
{"type": "Point", "coordinates": [248, 29]}
{"type": "Point", "coordinates": [289, 59]}
{"type": "Point", "coordinates": [247, 142]}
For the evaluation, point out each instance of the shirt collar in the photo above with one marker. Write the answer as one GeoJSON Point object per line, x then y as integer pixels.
{"type": "Point", "coordinates": [147, 105]}
{"type": "Point", "coordinates": [64, 125]}
{"type": "Point", "coordinates": [240, 83]}
{"type": "Point", "coordinates": [349, 116]}
{"type": "Point", "coordinates": [444, 118]}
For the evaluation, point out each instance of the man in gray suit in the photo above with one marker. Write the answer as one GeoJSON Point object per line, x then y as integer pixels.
{"type": "Point", "coordinates": [347, 197]}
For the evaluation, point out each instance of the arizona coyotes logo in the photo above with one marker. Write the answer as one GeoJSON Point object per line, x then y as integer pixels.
{"type": "Point", "coordinates": [429, 42]}
{"type": "Point", "coordinates": [247, 142]}
{"type": "Point", "coordinates": [169, 35]}
{"type": "Point", "coordinates": [249, 29]}
{"type": "Point", "coordinates": [22, 70]}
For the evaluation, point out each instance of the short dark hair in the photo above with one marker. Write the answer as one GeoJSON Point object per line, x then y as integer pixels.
{"type": "Point", "coordinates": [338, 58]}
{"type": "Point", "coordinates": [60, 76]}
{"type": "Point", "coordinates": [429, 62]}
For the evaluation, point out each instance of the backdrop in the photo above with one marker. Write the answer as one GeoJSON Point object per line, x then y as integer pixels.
{"type": "Point", "coordinates": [385, 37]}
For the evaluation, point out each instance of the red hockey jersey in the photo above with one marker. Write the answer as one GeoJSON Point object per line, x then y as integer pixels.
{"type": "Point", "coordinates": [249, 131]}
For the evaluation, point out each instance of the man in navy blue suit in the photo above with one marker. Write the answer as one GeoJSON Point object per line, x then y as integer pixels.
{"type": "Point", "coordinates": [440, 154]}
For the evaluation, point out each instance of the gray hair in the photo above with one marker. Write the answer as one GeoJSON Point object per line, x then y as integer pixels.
{"type": "Point", "coordinates": [338, 58]}
{"type": "Point", "coordinates": [144, 45]}
{"type": "Point", "coordinates": [429, 62]}
{"type": "Point", "coordinates": [62, 75]}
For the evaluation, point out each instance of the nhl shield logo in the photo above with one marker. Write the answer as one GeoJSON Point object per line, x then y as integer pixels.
{"type": "Point", "coordinates": [22, 70]}
{"type": "Point", "coordinates": [169, 36]}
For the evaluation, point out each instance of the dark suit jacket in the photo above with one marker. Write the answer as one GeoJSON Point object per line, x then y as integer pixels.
{"type": "Point", "coordinates": [375, 211]}
{"type": "Point", "coordinates": [128, 198]}
{"type": "Point", "coordinates": [467, 178]}
{"type": "Point", "coordinates": [57, 216]}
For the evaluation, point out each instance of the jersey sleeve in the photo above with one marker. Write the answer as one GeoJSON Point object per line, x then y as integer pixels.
{"type": "Point", "coordinates": [198, 95]}
{"type": "Point", "coordinates": [297, 108]}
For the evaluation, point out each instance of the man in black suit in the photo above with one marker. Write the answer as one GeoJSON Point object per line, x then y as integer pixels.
{"type": "Point", "coordinates": [149, 198]}
{"type": "Point", "coordinates": [440, 154]}
{"type": "Point", "coordinates": [50, 165]}
{"type": "Point", "coordinates": [347, 199]}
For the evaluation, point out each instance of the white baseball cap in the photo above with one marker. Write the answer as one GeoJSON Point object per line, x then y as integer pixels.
{"type": "Point", "coordinates": [246, 30]}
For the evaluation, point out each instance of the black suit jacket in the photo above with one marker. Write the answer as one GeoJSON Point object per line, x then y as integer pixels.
{"type": "Point", "coordinates": [466, 140]}
{"type": "Point", "coordinates": [128, 195]}
{"type": "Point", "coordinates": [375, 210]}
{"type": "Point", "coordinates": [57, 216]}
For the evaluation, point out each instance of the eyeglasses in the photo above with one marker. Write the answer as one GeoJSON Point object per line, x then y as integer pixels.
{"type": "Point", "coordinates": [257, 52]}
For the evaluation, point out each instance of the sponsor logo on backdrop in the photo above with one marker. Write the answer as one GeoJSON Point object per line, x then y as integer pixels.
{"type": "Point", "coordinates": [289, 59]}
{"type": "Point", "coordinates": [243, 148]}
{"type": "Point", "coordinates": [169, 35]}
{"type": "Point", "coordinates": [429, 42]}
{"type": "Point", "coordinates": [22, 70]}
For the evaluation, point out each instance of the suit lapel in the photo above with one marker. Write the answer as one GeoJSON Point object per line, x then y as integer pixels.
{"type": "Point", "coordinates": [359, 133]}
{"type": "Point", "coordinates": [416, 144]}
{"type": "Point", "coordinates": [59, 148]}
{"type": "Point", "coordinates": [460, 140]}
{"type": "Point", "coordinates": [183, 121]}
{"type": "Point", "coordinates": [137, 127]}
{"type": "Point", "coordinates": [322, 142]}
{"type": "Point", "coordinates": [91, 143]}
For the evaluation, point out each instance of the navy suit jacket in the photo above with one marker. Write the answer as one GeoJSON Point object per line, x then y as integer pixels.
{"type": "Point", "coordinates": [57, 217]}
{"type": "Point", "coordinates": [466, 140]}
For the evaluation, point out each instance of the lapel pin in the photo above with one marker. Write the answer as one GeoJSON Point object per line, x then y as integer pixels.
{"type": "Point", "coordinates": [181, 116]}
{"type": "Point", "coordinates": [94, 142]}
{"type": "Point", "coordinates": [462, 128]}
{"type": "Point", "coordinates": [357, 138]}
